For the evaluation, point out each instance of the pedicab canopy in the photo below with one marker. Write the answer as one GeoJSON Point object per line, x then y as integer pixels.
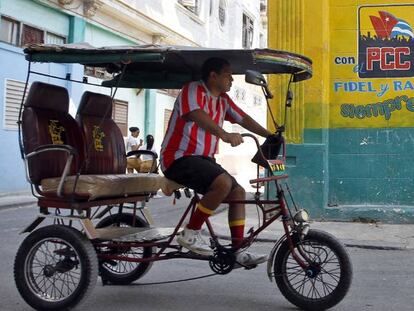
{"type": "Point", "coordinates": [168, 67]}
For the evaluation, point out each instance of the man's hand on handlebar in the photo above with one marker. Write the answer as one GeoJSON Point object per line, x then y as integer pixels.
{"type": "Point", "coordinates": [280, 129]}
{"type": "Point", "coordinates": [234, 139]}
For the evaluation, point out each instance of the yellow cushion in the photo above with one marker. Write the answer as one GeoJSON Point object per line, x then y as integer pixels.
{"type": "Point", "coordinates": [116, 185]}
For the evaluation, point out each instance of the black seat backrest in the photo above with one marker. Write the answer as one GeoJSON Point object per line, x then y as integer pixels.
{"type": "Point", "coordinates": [46, 120]}
{"type": "Point", "coordinates": [104, 140]}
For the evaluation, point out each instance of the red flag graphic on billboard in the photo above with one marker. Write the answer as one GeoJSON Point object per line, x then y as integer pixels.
{"type": "Point", "coordinates": [384, 24]}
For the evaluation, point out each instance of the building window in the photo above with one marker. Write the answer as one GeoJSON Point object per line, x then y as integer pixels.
{"type": "Point", "coordinates": [240, 94]}
{"type": "Point", "coordinates": [120, 115]}
{"type": "Point", "coordinates": [32, 35]}
{"type": "Point", "coordinates": [9, 31]}
{"type": "Point", "coordinates": [247, 36]}
{"type": "Point", "coordinates": [54, 39]}
{"type": "Point", "coordinates": [167, 116]}
{"type": "Point", "coordinates": [191, 5]}
{"type": "Point", "coordinates": [222, 12]}
{"type": "Point", "coordinates": [12, 100]}
{"type": "Point", "coordinates": [263, 6]}
{"type": "Point", "coordinates": [20, 34]}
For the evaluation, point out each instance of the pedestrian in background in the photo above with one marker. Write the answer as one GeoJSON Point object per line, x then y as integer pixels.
{"type": "Point", "coordinates": [132, 144]}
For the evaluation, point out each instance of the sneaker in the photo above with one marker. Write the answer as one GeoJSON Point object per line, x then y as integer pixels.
{"type": "Point", "coordinates": [192, 240]}
{"type": "Point", "coordinates": [247, 259]}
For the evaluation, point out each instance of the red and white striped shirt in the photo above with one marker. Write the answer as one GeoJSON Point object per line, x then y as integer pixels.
{"type": "Point", "coordinates": [186, 138]}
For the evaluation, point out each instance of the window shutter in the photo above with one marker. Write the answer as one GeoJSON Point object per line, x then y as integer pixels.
{"type": "Point", "coordinates": [247, 35]}
{"type": "Point", "coordinates": [167, 116]}
{"type": "Point", "coordinates": [191, 5]}
{"type": "Point", "coordinates": [9, 31]}
{"type": "Point", "coordinates": [120, 115]}
{"type": "Point", "coordinates": [31, 35]}
{"type": "Point", "coordinates": [54, 39]}
{"type": "Point", "coordinates": [13, 99]}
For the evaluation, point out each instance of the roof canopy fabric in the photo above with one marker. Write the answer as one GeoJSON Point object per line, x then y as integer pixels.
{"type": "Point", "coordinates": [168, 67]}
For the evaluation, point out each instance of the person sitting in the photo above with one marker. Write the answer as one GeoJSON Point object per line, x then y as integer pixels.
{"type": "Point", "coordinates": [133, 144]}
{"type": "Point", "coordinates": [188, 149]}
{"type": "Point", "coordinates": [146, 159]}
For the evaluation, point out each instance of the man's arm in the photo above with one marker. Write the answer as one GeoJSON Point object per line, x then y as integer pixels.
{"type": "Point", "coordinates": [136, 146]}
{"type": "Point", "coordinates": [203, 120]}
{"type": "Point", "coordinates": [251, 125]}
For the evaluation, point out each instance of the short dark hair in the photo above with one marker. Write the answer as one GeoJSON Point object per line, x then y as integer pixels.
{"type": "Point", "coordinates": [215, 64]}
{"type": "Point", "coordinates": [133, 129]}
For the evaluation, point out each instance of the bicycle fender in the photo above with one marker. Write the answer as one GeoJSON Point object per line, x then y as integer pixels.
{"type": "Point", "coordinates": [85, 222]}
{"type": "Point", "coordinates": [272, 255]}
{"type": "Point", "coordinates": [33, 225]}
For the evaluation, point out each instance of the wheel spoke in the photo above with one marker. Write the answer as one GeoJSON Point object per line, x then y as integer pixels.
{"type": "Point", "coordinates": [324, 270]}
{"type": "Point", "coordinates": [332, 275]}
{"type": "Point", "coordinates": [50, 254]}
{"type": "Point", "coordinates": [330, 287]}
{"type": "Point", "coordinates": [295, 275]}
{"type": "Point", "coordinates": [125, 267]}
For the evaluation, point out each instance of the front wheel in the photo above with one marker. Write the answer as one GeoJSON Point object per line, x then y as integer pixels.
{"type": "Point", "coordinates": [55, 268]}
{"type": "Point", "coordinates": [325, 281]}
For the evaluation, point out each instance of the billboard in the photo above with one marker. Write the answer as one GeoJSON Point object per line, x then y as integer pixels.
{"type": "Point", "coordinates": [386, 41]}
{"type": "Point", "coordinates": [372, 83]}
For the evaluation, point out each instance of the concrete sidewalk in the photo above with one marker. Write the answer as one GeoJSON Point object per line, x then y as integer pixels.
{"type": "Point", "coordinates": [352, 234]}
{"type": "Point", "coordinates": [16, 199]}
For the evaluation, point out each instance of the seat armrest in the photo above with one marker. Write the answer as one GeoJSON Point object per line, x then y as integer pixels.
{"type": "Point", "coordinates": [53, 148]}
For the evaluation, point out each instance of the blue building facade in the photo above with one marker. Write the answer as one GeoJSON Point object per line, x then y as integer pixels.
{"type": "Point", "coordinates": [19, 20]}
{"type": "Point", "coordinates": [24, 22]}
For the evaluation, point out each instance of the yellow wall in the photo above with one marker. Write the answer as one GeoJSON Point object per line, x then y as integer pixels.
{"type": "Point", "coordinates": [344, 163]}
{"type": "Point", "coordinates": [373, 94]}
{"type": "Point", "coordinates": [327, 32]}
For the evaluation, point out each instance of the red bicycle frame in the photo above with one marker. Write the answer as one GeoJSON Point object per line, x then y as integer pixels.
{"type": "Point", "coordinates": [279, 206]}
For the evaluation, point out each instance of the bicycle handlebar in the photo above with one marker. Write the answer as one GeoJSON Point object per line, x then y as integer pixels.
{"type": "Point", "coordinates": [256, 141]}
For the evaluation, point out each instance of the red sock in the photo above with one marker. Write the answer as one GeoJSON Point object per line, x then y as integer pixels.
{"type": "Point", "coordinates": [199, 216]}
{"type": "Point", "coordinates": [237, 232]}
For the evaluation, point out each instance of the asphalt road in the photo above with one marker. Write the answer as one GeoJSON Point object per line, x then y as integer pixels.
{"type": "Point", "coordinates": [383, 280]}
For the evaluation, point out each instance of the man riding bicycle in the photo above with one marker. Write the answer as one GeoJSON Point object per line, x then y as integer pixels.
{"type": "Point", "coordinates": [188, 149]}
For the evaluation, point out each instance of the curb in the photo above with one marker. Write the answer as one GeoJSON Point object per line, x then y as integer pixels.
{"type": "Point", "coordinates": [347, 243]}
{"type": "Point", "coordinates": [10, 203]}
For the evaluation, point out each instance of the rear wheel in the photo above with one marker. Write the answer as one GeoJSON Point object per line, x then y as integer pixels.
{"type": "Point", "coordinates": [325, 282]}
{"type": "Point", "coordinates": [55, 268]}
{"type": "Point", "coordinates": [124, 272]}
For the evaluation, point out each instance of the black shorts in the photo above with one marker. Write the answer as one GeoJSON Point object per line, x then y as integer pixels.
{"type": "Point", "coordinates": [196, 172]}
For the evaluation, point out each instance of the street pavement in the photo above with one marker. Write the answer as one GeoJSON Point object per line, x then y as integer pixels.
{"type": "Point", "coordinates": [352, 234]}
{"type": "Point", "coordinates": [383, 277]}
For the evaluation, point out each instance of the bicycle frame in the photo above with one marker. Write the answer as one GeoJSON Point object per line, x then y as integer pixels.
{"type": "Point", "coordinates": [162, 246]}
